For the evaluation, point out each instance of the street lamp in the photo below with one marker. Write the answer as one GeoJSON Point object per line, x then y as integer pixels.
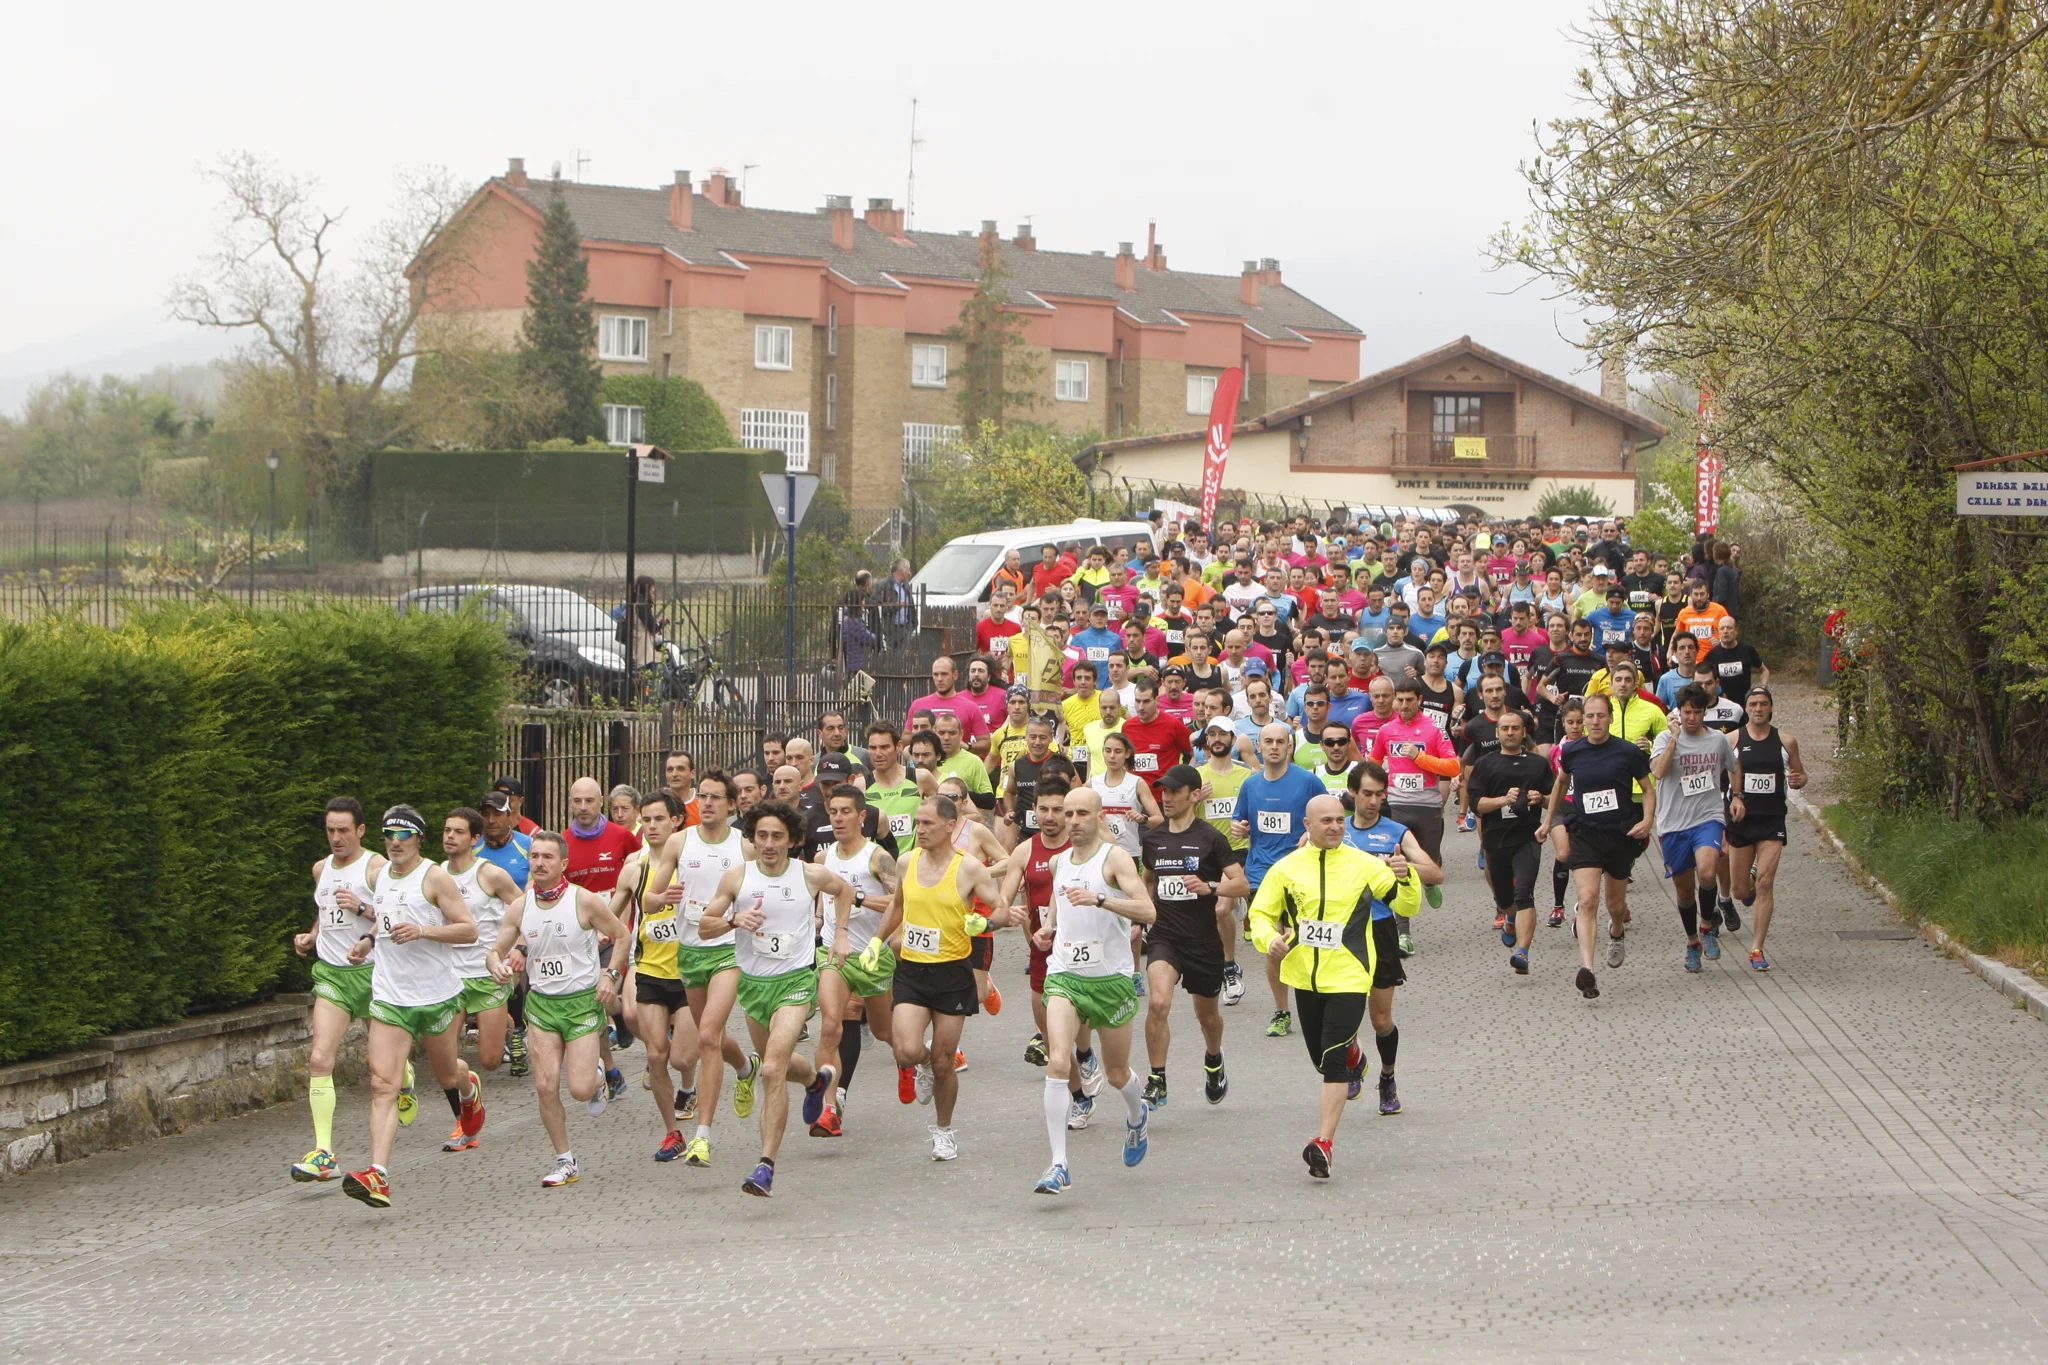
{"type": "Point", "coordinates": [270, 463]}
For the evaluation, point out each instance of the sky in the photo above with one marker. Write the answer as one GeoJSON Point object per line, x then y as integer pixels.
{"type": "Point", "coordinates": [1373, 149]}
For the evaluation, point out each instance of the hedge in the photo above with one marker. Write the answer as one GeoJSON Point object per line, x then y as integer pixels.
{"type": "Point", "coordinates": [164, 784]}
{"type": "Point", "coordinates": [680, 415]}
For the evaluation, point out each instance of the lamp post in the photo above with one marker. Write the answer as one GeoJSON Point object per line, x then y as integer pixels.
{"type": "Point", "coordinates": [270, 463]}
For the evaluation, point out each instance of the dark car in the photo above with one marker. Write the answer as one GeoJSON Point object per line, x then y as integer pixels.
{"type": "Point", "coordinates": [570, 644]}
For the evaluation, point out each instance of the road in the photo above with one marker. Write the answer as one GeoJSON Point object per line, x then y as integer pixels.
{"type": "Point", "coordinates": [1846, 1159]}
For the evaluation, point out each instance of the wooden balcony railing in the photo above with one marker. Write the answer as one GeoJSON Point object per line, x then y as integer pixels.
{"type": "Point", "coordinates": [1425, 450]}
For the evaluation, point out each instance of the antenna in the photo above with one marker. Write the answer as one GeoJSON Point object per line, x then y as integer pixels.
{"type": "Point", "coordinates": [910, 190]}
{"type": "Point", "coordinates": [582, 160]}
{"type": "Point", "coordinates": [749, 166]}
{"type": "Point", "coordinates": [556, 171]}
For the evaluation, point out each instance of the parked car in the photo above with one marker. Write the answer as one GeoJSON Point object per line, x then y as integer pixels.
{"type": "Point", "coordinates": [959, 574]}
{"type": "Point", "coordinates": [569, 645]}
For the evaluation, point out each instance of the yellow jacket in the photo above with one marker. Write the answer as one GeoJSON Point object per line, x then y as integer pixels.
{"type": "Point", "coordinates": [1325, 896]}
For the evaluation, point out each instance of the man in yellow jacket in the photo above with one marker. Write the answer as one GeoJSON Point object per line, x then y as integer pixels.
{"type": "Point", "coordinates": [1313, 915]}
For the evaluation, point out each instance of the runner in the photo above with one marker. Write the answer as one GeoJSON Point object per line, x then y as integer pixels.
{"type": "Point", "coordinates": [662, 1018]}
{"type": "Point", "coordinates": [893, 792]}
{"type": "Point", "coordinates": [1189, 866]}
{"type": "Point", "coordinates": [975, 839]}
{"type": "Point", "coordinates": [1224, 777]}
{"type": "Point", "coordinates": [1128, 806]}
{"type": "Point", "coordinates": [1417, 754]}
{"type": "Point", "coordinates": [1096, 895]}
{"type": "Point", "coordinates": [1766, 764]}
{"type": "Point", "coordinates": [1690, 820]}
{"type": "Point", "coordinates": [341, 986]}
{"type": "Point", "coordinates": [598, 849]}
{"type": "Point", "coordinates": [1028, 872]}
{"type": "Point", "coordinates": [1608, 830]}
{"type": "Point", "coordinates": [1572, 725]}
{"type": "Point", "coordinates": [487, 890]}
{"type": "Point", "coordinates": [1158, 741]}
{"type": "Point", "coordinates": [845, 985]}
{"type": "Point", "coordinates": [1270, 806]}
{"type": "Point", "coordinates": [1393, 843]}
{"type": "Point", "coordinates": [414, 994]}
{"type": "Point", "coordinates": [1306, 918]}
{"type": "Point", "coordinates": [505, 846]}
{"type": "Point", "coordinates": [768, 907]}
{"type": "Point", "coordinates": [1507, 788]}
{"type": "Point", "coordinates": [567, 990]}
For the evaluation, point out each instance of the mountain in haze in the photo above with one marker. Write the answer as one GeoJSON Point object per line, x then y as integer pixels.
{"type": "Point", "coordinates": [130, 345]}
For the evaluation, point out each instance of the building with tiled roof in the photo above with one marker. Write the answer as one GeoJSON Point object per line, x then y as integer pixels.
{"type": "Point", "coordinates": [824, 331]}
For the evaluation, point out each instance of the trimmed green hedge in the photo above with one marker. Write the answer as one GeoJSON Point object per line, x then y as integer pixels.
{"type": "Point", "coordinates": [680, 414]}
{"type": "Point", "coordinates": [161, 806]}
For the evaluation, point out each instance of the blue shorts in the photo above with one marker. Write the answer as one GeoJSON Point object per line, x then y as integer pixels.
{"type": "Point", "coordinates": [1679, 847]}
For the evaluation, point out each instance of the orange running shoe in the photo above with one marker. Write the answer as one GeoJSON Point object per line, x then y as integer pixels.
{"type": "Point", "coordinates": [471, 1121]}
{"type": "Point", "coordinates": [827, 1124]}
{"type": "Point", "coordinates": [993, 1001]}
{"type": "Point", "coordinates": [459, 1141]}
{"type": "Point", "coordinates": [959, 1061]}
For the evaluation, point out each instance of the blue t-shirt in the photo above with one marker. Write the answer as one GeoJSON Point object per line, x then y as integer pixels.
{"type": "Point", "coordinates": [512, 857]}
{"type": "Point", "coordinates": [1349, 707]}
{"type": "Point", "coordinates": [1422, 629]}
{"type": "Point", "coordinates": [1096, 646]}
{"type": "Point", "coordinates": [1274, 809]}
{"type": "Point", "coordinates": [1380, 841]}
{"type": "Point", "coordinates": [1610, 627]}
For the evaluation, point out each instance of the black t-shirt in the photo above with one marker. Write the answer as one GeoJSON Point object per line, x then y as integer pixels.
{"type": "Point", "coordinates": [1176, 628]}
{"type": "Point", "coordinates": [1437, 704]}
{"type": "Point", "coordinates": [1332, 627]}
{"type": "Point", "coordinates": [1644, 590]}
{"type": "Point", "coordinates": [1603, 780]}
{"type": "Point", "coordinates": [1199, 850]}
{"type": "Point", "coordinates": [1496, 774]}
{"type": "Point", "coordinates": [1542, 663]}
{"type": "Point", "coordinates": [1199, 682]}
{"type": "Point", "coordinates": [1574, 670]}
{"type": "Point", "coordinates": [1734, 667]}
{"type": "Point", "coordinates": [1649, 663]}
{"type": "Point", "coordinates": [1281, 642]}
{"type": "Point", "coordinates": [1024, 775]}
{"type": "Point", "coordinates": [1667, 620]}
{"type": "Point", "coordinates": [1480, 738]}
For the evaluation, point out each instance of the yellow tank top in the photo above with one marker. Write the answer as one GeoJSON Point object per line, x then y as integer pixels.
{"type": "Point", "coordinates": [934, 928]}
{"type": "Point", "coordinates": [659, 928]}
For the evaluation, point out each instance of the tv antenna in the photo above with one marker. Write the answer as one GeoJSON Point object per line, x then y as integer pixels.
{"type": "Point", "coordinates": [910, 190]}
{"type": "Point", "coordinates": [582, 160]}
{"type": "Point", "coordinates": [749, 166]}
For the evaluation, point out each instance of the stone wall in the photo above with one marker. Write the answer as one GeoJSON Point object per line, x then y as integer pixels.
{"type": "Point", "coordinates": [130, 1087]}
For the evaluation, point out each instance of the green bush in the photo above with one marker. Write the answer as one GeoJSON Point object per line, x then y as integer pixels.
{"type": "Point", "coordinates": [680, 414]}
{"type": "Point", "coordinates": [176, 768]}
{"type": "Point", "coordinates": [1573, 500]}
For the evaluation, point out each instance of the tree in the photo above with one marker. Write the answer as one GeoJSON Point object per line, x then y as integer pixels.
{"type": "Point", "coordinates": [679, 414]}
{"type": "Point", "coordinates": [1025, 476]}
{"type": "Point", "coordinates": [997, 372]}
{"type": "Point", "coordinates": [1573, 500]}
{"type": "Point", "coordinates": [558, 339]}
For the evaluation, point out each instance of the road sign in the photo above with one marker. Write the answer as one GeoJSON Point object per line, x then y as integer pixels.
{"type": "Point", "coordinates": [2009, 493]}
{"type": "Point", "coordinates": [778, 486]}
{"type": "Point", "coordinates": [653, 471]}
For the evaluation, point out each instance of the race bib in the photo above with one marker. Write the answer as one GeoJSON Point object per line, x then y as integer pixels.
{"type": "Point", "coordinates": [1174, 889]}
{"type": "Point", "coordinates": [548, 969]}
{"type": "Point", "coordinates": [333, 916]}
{"type": "Point", "coordinates": [900, 826]}
{"type": "Point", "coordinates": [920, 938]}
{"type": "Point", "coordinates": [1759, 784]}
{"type": "Point", "coordinates": [1408, 784]}
{"type": "Point", "coordinates": [1145, 763]}
{"type": "Point", "coordinates": [1079, 753]}
{"type": "Point", "coordinates": [783, 945]}
{"type": "Point", "coordinates": [1732, 669]}
{"type": "Point", "coordinates": [1098, 654]}
{"type": "Point", "coordinates": [1275, 822]}
{"type": "Point", "coordinates": [1219, 807]}
{"type": "Point", "coordinates": [1598, 803]}
{"type": "Point", "coordinates": [1696, 784]}
{"type": "Point", "coordinates": [1701, 630]}
{"type": "Point", "coordinates": [1031, 817]}
{"type": "Point", "coordinates": [1508, 812]}
{"type": "Point", "coordinates": [1079, 953]}
{"type": "Point", "coordinates": [1119, 826]}
{"type": "Point", "coordinates": [1175, 638]}
{"type": "Point", "coordinates": [1317, 933]}
{"type": "Point", "coordinates": [662, 930]}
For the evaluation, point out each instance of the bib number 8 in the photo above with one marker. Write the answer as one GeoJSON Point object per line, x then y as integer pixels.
{"type": "Point", "coordinates": [1317, 933]}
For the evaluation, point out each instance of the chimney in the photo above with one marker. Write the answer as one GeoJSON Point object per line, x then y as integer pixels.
{"type": "Point", "coordinates": [515, 172]}
{"type": "Point", "coordinates": [883, 216]}
{"type": "Point", "coordinates": [1248, 284]}
{"type": "Point", "coordinates": [1024, 241]}
{"type": "Point", "coordinates": [1269, 270]}
{"type": "Point", "coordinates": [1614, 380]}
{"type": "Point", "coordinates": [1155, 254]}
{"type": "Point", "coordinates": [680, 201]}
{"type": "Point", "coordinates": [720, 190]}
{"type": "Point", "coordinates": [989, 249]}
{"type": "Point", "coordinates": [840, 206]}
{"type": "Point", "coordinates": [1126, 267]}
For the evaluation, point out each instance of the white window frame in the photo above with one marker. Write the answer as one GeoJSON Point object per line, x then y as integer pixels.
{"type": "Point", "coordinates": [831, 329]}
{"type": "Point", "coordinates": [769, 338]}
{"type": "Point", "coordinates": [784, 429]}
{"type": "Point", "coordinates": [1201, 393]}
{"type": "Point", "coordinates": [831, 402]}
{"type": "Point", "coordinates": [613, 329]}
{"type": "Point", "coordinates": [922, 440]}
{"type": "Point", "coordinates": [1066, 387]}
{"type": "Point", "coordinates": [625, 424]}
{"type": "Point", "coordinates": [927, 366]}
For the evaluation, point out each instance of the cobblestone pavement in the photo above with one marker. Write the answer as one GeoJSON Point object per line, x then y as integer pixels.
{"type": "Point", "coordinates": [1846, 1159]}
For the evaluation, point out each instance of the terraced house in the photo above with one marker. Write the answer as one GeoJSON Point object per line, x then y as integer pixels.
{"type": "Point", "coordinates": [824, 331]}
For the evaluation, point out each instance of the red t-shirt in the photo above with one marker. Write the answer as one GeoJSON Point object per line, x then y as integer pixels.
{"type": "Point", "coordinates": [1157, 746]}
{"type": "Point", "coordinates": [594, 862]}
{"type": "Point", "coordinates": [987, 632]}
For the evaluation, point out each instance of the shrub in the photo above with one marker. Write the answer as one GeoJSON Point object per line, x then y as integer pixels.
{"type": "Point", "coordinates": [680, 414]}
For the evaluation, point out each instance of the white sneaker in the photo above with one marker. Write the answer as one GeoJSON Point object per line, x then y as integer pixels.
{"type": "Point", "coordinates": [1091, 1076]}
{"type": "Point", "coordinates": [1079, 1111]}
{"type": "Point", "coordinates": [839, 1099]}
{"type": "Point", "coordinates": [1615, 952]}
{"type": "Point", "coordinates": [924, 1083]}
{"type": "Point", "coordinates": [597, 1102]}
{"type": "Point", "coordinates": [944, 1148]}
{"type": "Point", "coordinates": [1233, 987]}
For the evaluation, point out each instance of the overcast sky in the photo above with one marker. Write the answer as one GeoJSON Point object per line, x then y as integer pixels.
{"type": "Point", "coordinates": [1372, 148]}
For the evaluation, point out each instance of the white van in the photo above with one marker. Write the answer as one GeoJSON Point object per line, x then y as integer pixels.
{"type": "Point", "coordinates": [960, 573]}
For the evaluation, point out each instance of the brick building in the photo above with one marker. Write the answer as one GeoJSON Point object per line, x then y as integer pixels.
{"type": "Point", "coordinates": [1458, 425]}
{"type": "Point", "coordinates": [824, 330]}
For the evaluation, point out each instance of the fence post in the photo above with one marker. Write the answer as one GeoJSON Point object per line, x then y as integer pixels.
{"type": "Point", "coordinates": [533, 764]}
{"type": "Point", "coordinates": [106, 572]}
{"type": "Point", "coordinates": [619, 748]}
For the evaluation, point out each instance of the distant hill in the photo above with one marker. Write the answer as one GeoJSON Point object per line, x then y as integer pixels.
{"type": "Point", "coordinates": [176, 355]}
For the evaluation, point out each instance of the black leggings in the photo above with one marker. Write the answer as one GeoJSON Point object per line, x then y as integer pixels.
{"type": "Point", "coordinates": [1511, 872]}
{"type": "Point", "coordinates": [1329, 1025]}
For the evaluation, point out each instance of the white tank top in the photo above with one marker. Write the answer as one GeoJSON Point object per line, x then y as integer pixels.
{"type": "Point", "coordinates": [857, 873]}
{"type": "Point", "coordinates": [1120, 813]}
{"type": "Point", "coordinates": [561, 954]}
{"type": "Point", "coordinates": [489, 912]}
{"type": "Point", "coordinates": [787, 940]}
{"type": "Point", "coordinates": [339, 928]}
{"type": "Point", "coordinates": [1088, 940]}
{"type": "Point", "coordinates": [421, 972]}
{"type": "Point", "coordinates": [699, 868]}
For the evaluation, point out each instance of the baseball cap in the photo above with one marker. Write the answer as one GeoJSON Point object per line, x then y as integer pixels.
{"type": "Point", "coordinates": [1437, 647]}
{"type": "Point", "coordinates": [1099, 609]}
{"type": "Point", "coordinates": [497, 801]}
{"type": "Point", "coordinates": [1493, 659]}
{"type": "Point", "coordinates": [1602, 571]}
{"type": "Point", "coordinates": [1361, 646]}
{"type": "Point", "coordinates": [1181, 777]}
{"type": "Point", "coordinates": [1255, 668]}
{"type": "Point", "coordinates": [835, 765]}
{"type": "Point", "coordinates": [510, 785]}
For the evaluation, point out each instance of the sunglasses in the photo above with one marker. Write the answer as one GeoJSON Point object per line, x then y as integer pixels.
{"type": "Point", "coordinates": [400, 832]}
{"type": "Point", "coordinates": [1334, 743]}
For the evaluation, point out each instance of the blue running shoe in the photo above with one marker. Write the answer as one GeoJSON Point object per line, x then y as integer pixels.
{"type": "Point", "coordinates": [1519, 960]}
{"type": "Point", "coordinates": [1135, 1139]}
{"type": "Point", "coordinates": [1710, 940]}
{"type": "Point", "coordinates": [817, 1092]}
{"type": "Point", "coordinates": [1482, 860]}
{"type": "Point", "coordinates": [1054, 1181]}
{"type": "Point", "coordinates": [761, 1182]}
{"type": "Point", "coordinates": [1507, 931]}
{"type": "Point", "coordinates": [1692, 957]}
{"type": "Point", "coordinates": [615, 1085]}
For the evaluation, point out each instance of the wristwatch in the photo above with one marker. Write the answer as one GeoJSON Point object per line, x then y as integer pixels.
{"type": "Point", "coordinates": [860, 897]}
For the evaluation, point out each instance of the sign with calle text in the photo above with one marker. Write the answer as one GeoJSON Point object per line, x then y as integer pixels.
{"type": "Point", "coordinates": [2008, 494]}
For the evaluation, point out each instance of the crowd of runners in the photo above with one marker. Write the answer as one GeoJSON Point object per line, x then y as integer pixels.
{"type": "Point", "coordinates": [1259, 742]}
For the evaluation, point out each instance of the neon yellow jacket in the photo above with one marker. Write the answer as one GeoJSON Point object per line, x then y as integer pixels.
{"type": "Point", "coordinates": [1334, 890]}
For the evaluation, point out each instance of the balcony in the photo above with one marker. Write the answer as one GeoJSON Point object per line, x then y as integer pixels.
{"type": "Point", "coordinates": [1427, 450]}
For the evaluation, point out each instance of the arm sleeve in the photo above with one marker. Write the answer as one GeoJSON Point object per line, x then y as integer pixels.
{"type": "Point", "coordinates": [1439, 758]}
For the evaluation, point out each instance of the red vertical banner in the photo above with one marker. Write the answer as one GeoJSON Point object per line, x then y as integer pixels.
{"type": "Point", "coordinates": [1222, 417]}
{"type": "Point", "coordinates": [1707, 477]}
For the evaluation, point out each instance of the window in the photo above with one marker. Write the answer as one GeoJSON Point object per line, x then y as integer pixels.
{"type": "Point", "coordinates": [621, 338]}
{"type": "Point", "coordinates": [1119, 419]}
{"type": "Point", "coordinates": [831, 329]}
{"type": "Point", "coordinates": [624, 426]}
{"type": "Point", "coordinates": [828, 467]}
{"type": "Point", "coordinates": [1117, 373]}
{"type": "Point", "coordinates": [921, 440]}
{"type": "Point", "coordinates": [774, 348]}
{"type": "Point", "coordinates": [831, 402]}
{"type": "Point", "coordinates": [928, 367]}
{"type": "Point", "coordinates": [1201, 392]}
{"type": "Point", "coordinates": [1070, 381]}
{"type": "Point", "coordinates": [1454, 414]}
{"type": "Point", "coordinates": [776, 429]}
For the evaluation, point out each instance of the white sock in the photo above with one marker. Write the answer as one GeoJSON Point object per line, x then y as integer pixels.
{"type": "Point", "coordinates": [1133, 1091]}
{"type": "Point", "coordinates": [565, 1156]}
{"type": "Point", "coordinates": [704, 1131]}
{"type": "Point", "coordinates": [1056, 1119]}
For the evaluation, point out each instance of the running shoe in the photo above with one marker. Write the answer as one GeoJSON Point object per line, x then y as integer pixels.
{"type": "Point", "coordinates": [563, 1172]}
{"type": "Point", "coordinates": [1507, 931]}
{"type": "Point", "coordinates": [828, 1122]}
{"type": "Point", "coordinates": [1519, 960]}
{"type": "Point", "coordinates": [906, 1084]}
{"type": "Point", "coordinates": [1482, 860]}
{"type": "Point", "coordinates": [1405, 944]}
{"type": "Point", "coordinates": [1233, 984]}
{"type": "Point", "coordinates": [1616, 951]}
{"type": "Point", "coordinates": [993, 1001]}
{"type": "Point", "coordinates": [1588, 987]}
{"type": "Point", "coordinates": [1758, 962]}
{"type": "Point", "coordinates": [743, 1087]}
{"type": "Point", "coordinates": [1034, 1051]}
{"type": "Point", "coordinates": [369, 1185]}
{"type": "Point", "coordinates": [601, 1097]}
{"type": "Point", "coordinates": [686, 1106]}
{"type": "Point", "coordinates": [615, 1085]}
{"type": "Point", "coordinates": [816, 1094]}
{"type": "Point", "coordinates": [1317, 1155]}
{"type": "Point", "coordinates": [1080, 1110]}
{"type": "Point", "coordinates": [1556, 916]}
{"type": "Point", "coordinates": [515, 1055]}
{"type": "Point", "coordinates": [459, 1141]}
{"type": "Point", "coordinates": [959, 1062]}
{"type": "Point", "coordinates": [1217, 1085]}
{"type": "Point", "coordinates": [672, 1145]}
{"type": "Point", "coordinates": [1469, 822]}
{"type": "Point", "coordinates": [1500, 920]}
{"type": "Point", "coordinates": [924, 1083]}
{"type": "Point", "coordinates": [471, 1120]}
{"type": "Point", "coordinates": [1155, 1090]}
{"type": "Point", "coordinates": [803, 1035]}
{"type": "Point", "coordinates": [1435, 896]}
{"type": "Point", "coordinates": [1136, 1140]}
{"type": "Point", "coordinates": [1710, 942]}
{"type": "Point", "coordinates": [1280, 1025]}
{"type": "Point", "coordinates": [1730, 916]}
{"type": "Point", "coordinates": [319, 1164]}
{"type": "Point", "coordinates": [1091, 1074]}
{"type": "Point", "coordinates": [1692, 957]}
{"type": "Point", "coordinates": [1354, 1067]}
{"type": "Point", "coordinates": [944, 1148]}
{"type": "Point", "coordinates": [1390, 1099]}
{"type": "Point", "coordinates": [1054, 1181]}
{"type": "Point", "coordinates": [698, 1153]}
{"type": "Point", "coordinates": [408, 1103]}
{"type": "Point", "coordinates": [762, 1181]}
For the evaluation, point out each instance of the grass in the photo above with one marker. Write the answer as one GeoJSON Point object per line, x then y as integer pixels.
{"type": "Point", "coordinates": [1984, 886]}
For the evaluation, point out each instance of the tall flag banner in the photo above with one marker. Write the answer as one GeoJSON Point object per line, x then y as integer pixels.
{"type": "Point", "coordinates": [1707, 478]}
{"type": "Point", "coordinates": [1045, 676]}
{"type": "Point", "coordinates": [1222, 417]}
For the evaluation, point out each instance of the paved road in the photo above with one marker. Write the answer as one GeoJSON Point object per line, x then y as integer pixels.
{"type": "Point", "coordinates": [1845, 1160]}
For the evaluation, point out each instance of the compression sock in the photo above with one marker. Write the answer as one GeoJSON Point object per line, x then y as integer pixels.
{"type": "Point", "coordinates": [1388, 1043]}
{"type": "Point", "coordinates": [1689, 915]}
{"type": "Point", "coordinates": [454, 1095]}
{"type": "Point", "coordinates": [1056, 1119]}
{"type": "Point", "coordinates": [1710, 913]}
{"type": "Point", "coordinates": [516, 1007]}
{"type": "Point", "coordinates": [849, 1053]}
{"type": "Point", "coordinates": [320, 1095]}
{"type": "Point", "coordinates": [1560, 881]}
{"type": "Point", "coordinates": [1133, 1091]}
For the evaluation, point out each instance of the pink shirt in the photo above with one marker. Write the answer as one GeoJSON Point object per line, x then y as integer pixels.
{"type": "Point", "coordinates": [994, 703]}
{"type": "Point", "coordinates": [1121, 601]}
{"type": "Point", "coordinates": [973, 720]}
{"type": "Point", "coordinates": [1182, 710]}
{"type": "Point", "coordinates": [1367, 728]}
{"type": "Point", "coordinates": [1518, 645]}
{"type": "Point", "coordinates": [1421, 731]}
{"type": "Point", "coordinates": [1500, 568]}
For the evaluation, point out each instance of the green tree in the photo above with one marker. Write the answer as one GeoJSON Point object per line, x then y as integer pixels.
{"type": "Point", "coordinates": [1573, 500]}
{"type": "Point", "coordinates": [558, 338]}
{"type": "Point", "coordinates": [998, 373]}
{"type": "Point", "coordinates": [1025, 476]}
{"type": "Point", "coordinates": [680, 415]}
